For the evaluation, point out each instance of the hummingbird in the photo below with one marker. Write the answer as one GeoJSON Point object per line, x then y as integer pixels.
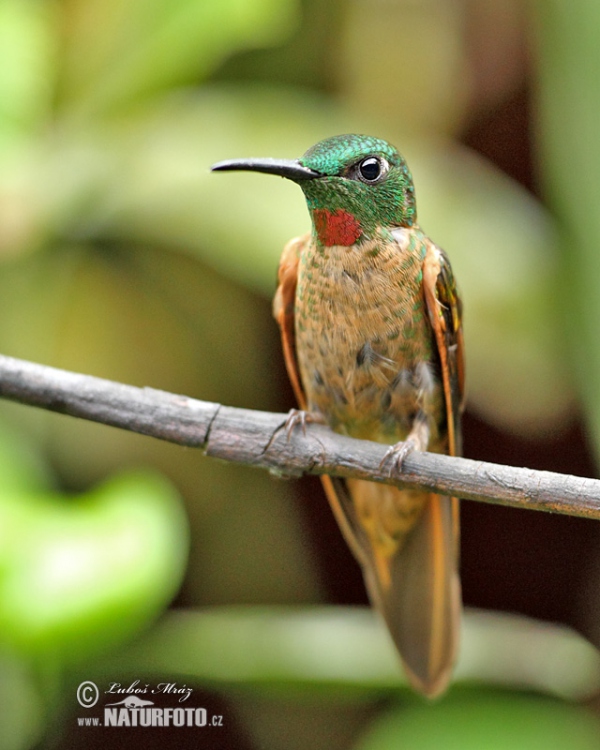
{"type": "Point", "coordinates": [371, 328]}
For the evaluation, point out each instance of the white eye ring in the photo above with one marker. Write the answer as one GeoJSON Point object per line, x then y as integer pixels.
{"type": "Point", "coordinates": [371, 169]}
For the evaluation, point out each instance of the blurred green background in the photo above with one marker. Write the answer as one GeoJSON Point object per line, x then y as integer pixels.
{"type": "Point", "coordinates": [123, 257]}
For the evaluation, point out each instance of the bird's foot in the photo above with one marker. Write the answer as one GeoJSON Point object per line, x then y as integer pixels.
{"type": "Point", "coordinates": [416, 440]}
{"type": "Point", "coordinates": [302, 418]}
{"type": "Point", "coordinates": [395, 455]}
{"type": "Point", "coordinates": [294, 418]}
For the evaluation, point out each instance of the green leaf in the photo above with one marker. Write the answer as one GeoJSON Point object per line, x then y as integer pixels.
{"type": "Point", "coordinates": [27, 68]}
{"type": "Point", "coordinates": [504, 250]}
{"type": "Point", "coordinates": [568, 115]}
{"type": "Point", "coordinates": [348, 647]}
{"type": "Point", "coordinates": [79, 576]}
{"type": "Point", "coordinates": [120, 50]}
{"type": "Point", "coordinates": [493, 722]}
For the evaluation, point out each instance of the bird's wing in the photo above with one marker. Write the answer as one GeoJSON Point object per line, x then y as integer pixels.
{"type": "Point", "coordinates": [283, 310]}
{"type": "Point", "coordinates": [445, 315]}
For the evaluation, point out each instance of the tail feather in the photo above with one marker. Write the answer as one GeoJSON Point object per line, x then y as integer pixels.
{"type": "Point", "coordinates": [414, 585]}
{"type": "Point", "coordinates": [422, 605]}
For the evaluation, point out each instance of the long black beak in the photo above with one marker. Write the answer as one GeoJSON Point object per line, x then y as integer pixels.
{"type": "Point", "coordinates": [293, 170]}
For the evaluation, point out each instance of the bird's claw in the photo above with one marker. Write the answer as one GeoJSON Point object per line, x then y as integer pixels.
{"type": "Point", "coordinates": [396, 454]}
{"type": "Point", "coordinates": [299, 417]}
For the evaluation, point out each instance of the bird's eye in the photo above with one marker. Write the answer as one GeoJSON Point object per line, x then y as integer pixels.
{"type": "Point", "coordinates": [371, 169]}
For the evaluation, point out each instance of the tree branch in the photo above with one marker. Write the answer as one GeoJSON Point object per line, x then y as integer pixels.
{"type": "Point", "coordinates": [256, 438]}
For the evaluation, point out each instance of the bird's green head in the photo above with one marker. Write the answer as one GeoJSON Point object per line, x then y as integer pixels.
{"type": "Point", "coordinates": [353, 184]}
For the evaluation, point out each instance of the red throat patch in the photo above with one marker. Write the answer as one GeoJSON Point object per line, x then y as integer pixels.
{"type": "Point", "coordinates": [339, 228]}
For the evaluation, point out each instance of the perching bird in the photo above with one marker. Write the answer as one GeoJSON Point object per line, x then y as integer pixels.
{"type": "Point", "coordinates": [370, 321]}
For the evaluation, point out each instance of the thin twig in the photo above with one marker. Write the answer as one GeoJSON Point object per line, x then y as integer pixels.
{"type": "Point", "coordinates": [256, 438]}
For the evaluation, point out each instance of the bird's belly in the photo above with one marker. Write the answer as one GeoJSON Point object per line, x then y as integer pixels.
{"type": "Point", "coordinates": [378, 401]}
{"type": "Point", "coordinates": [365, 349]}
